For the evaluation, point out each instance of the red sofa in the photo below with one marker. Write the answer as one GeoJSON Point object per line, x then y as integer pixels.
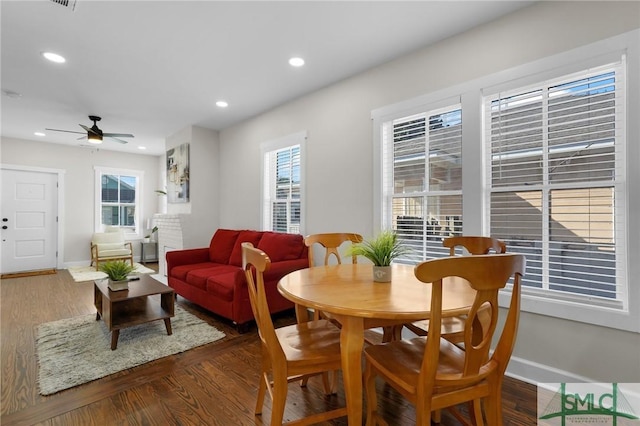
{"type": "Point", "coordinates": [212, 277]}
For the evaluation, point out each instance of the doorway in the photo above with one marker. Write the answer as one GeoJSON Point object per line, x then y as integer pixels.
{"type": "Point", "coordinates": [29, 220]}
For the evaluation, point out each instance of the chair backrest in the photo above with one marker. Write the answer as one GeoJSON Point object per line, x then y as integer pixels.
{"type": "Point", "coordinates": [255, 263]}
{"type": "Point", "coordinates": [331, 242]}
{"type": "Point", "coordinates": [109, 240]}
{"type": "Point", "coordinates": [474, 245]}
{"type": "Point", "coordinates": [487, 274]}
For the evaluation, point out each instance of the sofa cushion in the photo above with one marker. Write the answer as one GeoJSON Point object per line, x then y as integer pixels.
{"type": "Point", "coordinates": [180, 272]}
{"type": "Point", "coordinates": [223, 285]}
{"type": "Point", "coordinates": [222, 244]}
{"type": "Point", "coordinates": [246, 236]}
{"type": "Point", "coordinates": [279, 246]}
{"type": "Point", "coordinates": [198, 277]}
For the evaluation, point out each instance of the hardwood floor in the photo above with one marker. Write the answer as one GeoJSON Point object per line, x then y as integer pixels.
{"type": "Point", "coordinates": [215, 384]}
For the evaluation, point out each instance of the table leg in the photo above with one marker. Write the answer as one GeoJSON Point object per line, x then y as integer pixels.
{"type": "Point", "coordinates": [351, 342]}
{"type": "Point", "coordinates": [114, 339]}
{"type": "Point", "coordinates": [167, 325]}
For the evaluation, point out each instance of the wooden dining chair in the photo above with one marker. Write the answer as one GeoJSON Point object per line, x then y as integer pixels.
{"type": "Point", "coordinates": [292, 352]}
{"type": "Point", "coordinates": [433, 373]}
{"type": "Point", "coordinates": [331, 243]}
{"type": "Point", "coordinates": [452, 327]}
{"type": "Point", "coordinates": [474, 244]}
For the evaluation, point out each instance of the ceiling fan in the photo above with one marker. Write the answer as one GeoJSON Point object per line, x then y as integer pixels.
{"type": "Point", "coordinates": [95, 135]}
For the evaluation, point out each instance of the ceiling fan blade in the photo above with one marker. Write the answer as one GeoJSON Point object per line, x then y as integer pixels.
{"type": "Point", "coordinates": [88, 129]}
{"type": "Point", "coordinates": [118, 135]}
{"type": "Point", "coordinates": [66, 131]}
{"type": "Point", "coordinates": [116, 139]}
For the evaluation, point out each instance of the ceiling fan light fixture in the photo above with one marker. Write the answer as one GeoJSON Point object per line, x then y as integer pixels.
{"type": "Point", "coordinates": [94, 139]}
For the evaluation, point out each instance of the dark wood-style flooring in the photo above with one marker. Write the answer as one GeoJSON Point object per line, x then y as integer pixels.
{"type": "Point", "coordinates": [215, 384]}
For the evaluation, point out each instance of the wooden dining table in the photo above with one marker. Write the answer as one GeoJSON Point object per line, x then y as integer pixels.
{"type": "Point", "coordinates": [350, 295]}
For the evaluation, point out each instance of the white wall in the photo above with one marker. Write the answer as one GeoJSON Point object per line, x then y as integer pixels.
{"type": "Point", "coordinates": [339, 170]}
{"type": "Point", "coordinates": [78, 164]}
{"type": "Point", "coordinates": [202, 210]}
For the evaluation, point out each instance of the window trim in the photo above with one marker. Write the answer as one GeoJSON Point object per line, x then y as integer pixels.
{"type": "Point", "coordinates": [139, 175]}
{"type": "Point", "coordinates": [266, 148]}
{"type": "Point", "coordinates": [474, 175]}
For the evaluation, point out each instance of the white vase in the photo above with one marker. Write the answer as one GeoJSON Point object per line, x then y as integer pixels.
{"type": "Point", "coordinates": [118, 285]}
{"type": "Point", "coordinates": [382, 274]}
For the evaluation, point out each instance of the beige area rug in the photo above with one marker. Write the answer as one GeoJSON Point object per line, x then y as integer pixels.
{"type": "Point", "coordinates": [89, 273]}
{"type": "Point", "coordinates": [77, 350]}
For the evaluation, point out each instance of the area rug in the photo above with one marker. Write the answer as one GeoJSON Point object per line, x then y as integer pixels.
{"type": "Point", "coordinates": [77, 350]}
{"type": "Point", "coordinates": [89, 273]}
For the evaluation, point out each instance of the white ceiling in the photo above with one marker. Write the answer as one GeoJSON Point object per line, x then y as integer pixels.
{"type": "Point", "coordinates": [152, 68]}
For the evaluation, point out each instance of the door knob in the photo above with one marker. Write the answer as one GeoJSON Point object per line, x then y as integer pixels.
{"type": "Point", "coordinates": [4, 219]}
{"type": "Point", "coordinates": [5, 227]}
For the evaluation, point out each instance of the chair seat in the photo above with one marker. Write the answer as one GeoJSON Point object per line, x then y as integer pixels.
{"type": "Point", "coordinates": [308, 343]}
{"type": "Point", "coordinates": [402, 360]}
{"type": "Point", "coordinates": [114, 253]}
{"type": "Point", "coordinates": [450, 326]}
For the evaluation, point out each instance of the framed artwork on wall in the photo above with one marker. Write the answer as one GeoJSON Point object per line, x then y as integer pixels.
{"type": "Point", "coordinates": [178, 174]}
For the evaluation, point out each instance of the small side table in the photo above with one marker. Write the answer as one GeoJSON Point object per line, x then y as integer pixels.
{"type": "Point", "coordinates": [148, 252]}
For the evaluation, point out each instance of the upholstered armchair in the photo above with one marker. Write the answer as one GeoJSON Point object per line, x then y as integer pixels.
{"type": "Point", "coordinates": [111, 245]}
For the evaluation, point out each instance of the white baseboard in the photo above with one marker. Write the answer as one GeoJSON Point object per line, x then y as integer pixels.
{"type": "Point", "coordinates": [534, 373]}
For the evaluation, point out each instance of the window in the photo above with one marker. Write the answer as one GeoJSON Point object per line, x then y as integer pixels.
{"type": "Point", "coordinates": [117, 199]}
{"type": "Point", "coordinates": [550, 167]}
{"type": "Point", "coordinates": [422, 174]}
{"type": "Point", "coordinates": [557, 180]}
{"type": "Point", "coordinates": [282, 184]}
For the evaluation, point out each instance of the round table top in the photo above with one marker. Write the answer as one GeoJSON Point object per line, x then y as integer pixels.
{"type": "Point", "coordinates": [349, 289]}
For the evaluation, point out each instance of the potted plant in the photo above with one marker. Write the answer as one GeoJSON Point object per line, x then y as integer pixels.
{"type": "Point", "coordinates": [381, 250]}
{"type": "Point", "coordinates": [147, 238]}
{"type": "Point", "coordinates": [118, 272]}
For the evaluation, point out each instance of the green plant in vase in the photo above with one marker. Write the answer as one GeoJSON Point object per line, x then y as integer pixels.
{"type": "Point", "coordinates": [118, 272]}
{"type": "Point", "coordinates": [381, 251]}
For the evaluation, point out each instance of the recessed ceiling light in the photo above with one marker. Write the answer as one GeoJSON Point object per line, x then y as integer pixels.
{"type": "Point", "coordinates": [39, 134]}
{"type": "Point", "coordinates": [142, 147]}
{"type": "Point", "coordinates": [296, 62]}
{"type": "Point", "coordinates": [222, 104]}
{"type": "Point", "coordinates": [54, 57]}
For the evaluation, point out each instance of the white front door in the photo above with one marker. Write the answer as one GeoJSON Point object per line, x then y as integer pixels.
{"type": "Point", "coordinates": [28, 220]}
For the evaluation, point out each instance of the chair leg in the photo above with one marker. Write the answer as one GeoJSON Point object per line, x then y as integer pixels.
{"type": "Point", "coordinates": [280, 388]}
{"type": "Point", "coordinates": [370, 394]}
{"type": "Point", "coordinates": [262, 389]}
{"type": "Point", "coordinates": [391, 333]}
{"type": "Point", "coordinates": [475, 412]}
{"type": "Point", "coordinates": [493, 403]}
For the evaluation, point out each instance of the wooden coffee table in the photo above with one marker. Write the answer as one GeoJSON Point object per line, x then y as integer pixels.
{"type": "Point", "coordinates": [126, 308]}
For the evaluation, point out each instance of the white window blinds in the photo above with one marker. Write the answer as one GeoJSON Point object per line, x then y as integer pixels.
{"type": "Point", "coordinates": [282, 180]}
{"type": "Point", "coordinates": [422, 175]}
{"type": "Point", "coordinates": [556, 177]}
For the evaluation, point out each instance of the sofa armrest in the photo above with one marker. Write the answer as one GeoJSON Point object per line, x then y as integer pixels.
{"type": "Point", "coordinates": [186, 257]}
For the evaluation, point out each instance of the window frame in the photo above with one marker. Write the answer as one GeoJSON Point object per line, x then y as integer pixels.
{"type": "Point", "coordinates": [139, 175]}
{"type": "Point", "coordinates": [475, 193]}
{"type": "Point", "coordinates": [547, 186]}
{"type": "Point", "coordinates": [267, 148]}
